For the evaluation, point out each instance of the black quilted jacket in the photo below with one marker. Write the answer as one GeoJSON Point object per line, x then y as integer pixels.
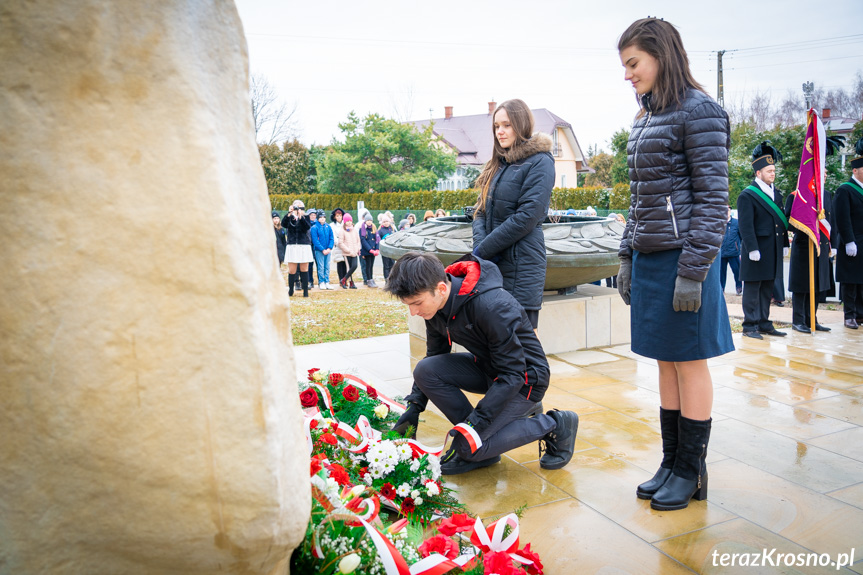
{"type": "Point", "coordinates": [509, 231]}
{"type": "Point", "coordinates": [678, 169]}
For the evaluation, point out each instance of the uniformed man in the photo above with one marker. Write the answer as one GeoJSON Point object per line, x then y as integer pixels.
{"type": "Point", "coordinates": [848, 204]}
{"type": "Point", "coordinates": [764, 233]}
{"type": "Point", "coordinates": [798, 278]}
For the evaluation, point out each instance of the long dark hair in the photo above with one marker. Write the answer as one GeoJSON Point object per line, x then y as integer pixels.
{"type": "Point", "coordinates": [661, 40]}
{"type": "Point", "coordinates": [522, 122]}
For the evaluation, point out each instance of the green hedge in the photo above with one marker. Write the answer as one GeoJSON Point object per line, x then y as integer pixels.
{"type": "Point", "coordinates": [616, 198]}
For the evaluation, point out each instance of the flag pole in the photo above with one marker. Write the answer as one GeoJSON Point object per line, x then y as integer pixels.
{"type": "Point", "coordinates": [812, 298]}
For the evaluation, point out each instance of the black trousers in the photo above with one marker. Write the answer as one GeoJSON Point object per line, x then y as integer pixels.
{"type": "Point", "coordinates": [352, 267]}
{"type": "Point", "coordinates": [388, 265]}
{"type": "Point", "coordinates": [800, 308]}
{"type": "Point", "coordinates": [852, 300]}
{"type": "Point", "coordinates": [444, 379]}
{"type": "Point", "coordinates": [756, 305]}
{"type": "Point", "coordinates": [368, 267]}
{"type": "Point", "coordinates": [341, 269]}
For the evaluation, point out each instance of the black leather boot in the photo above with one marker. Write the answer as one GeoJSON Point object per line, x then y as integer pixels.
{"type": "Point", "coordinates": [304, 281]}
{"type": "Point", "coordinates": [688, 478]}
{"type": "Point", "coordinates": [292, 278]}
{"type": "Point", "coordinates": [668, 423]}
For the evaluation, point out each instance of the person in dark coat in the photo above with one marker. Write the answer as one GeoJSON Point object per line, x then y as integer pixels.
{"type": "Point", "coordinates": [764, 232]}
{"type": "Point", "coordinates": [298, 252]}
{"type": "Point", "coordinates": [730, 253]}
{"type": "Point", "coordinates": [669, 252]}
{"type": "Point", "coordinates": [504, 363]}
{"type": "Point", "coordinates": [798, 272]}
{"type": "Point", "coordinates": [281, 239]}
{"type": "Point", "coordinates": [848, 205]}
{"type": "Point", "coordinates": [515, 186]}
{"type": "Point", "coordinates": [385, 230]}
{"type": "Point", "coordinates": [369, 241]}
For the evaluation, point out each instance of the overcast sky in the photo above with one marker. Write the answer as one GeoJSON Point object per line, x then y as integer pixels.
{"type": "Point", "coordinates": [385, 56]}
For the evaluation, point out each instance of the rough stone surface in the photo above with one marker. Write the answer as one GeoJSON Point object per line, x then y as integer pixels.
{"type": "Point", "coordinates": [149, 418]}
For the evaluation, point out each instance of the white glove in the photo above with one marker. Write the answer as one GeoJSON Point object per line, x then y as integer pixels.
{"type": "Point", "coordinates": [851, 249]}
{"type": "Point", "coordinates": [755, 256]}
{"type": "Point", "coordinates": [785, 252]}
{"type": "Point", "coordinates": [833, 253]}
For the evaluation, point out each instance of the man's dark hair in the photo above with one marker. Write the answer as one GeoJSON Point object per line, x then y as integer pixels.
{"type": "Point", "coordinates": [414, 273]}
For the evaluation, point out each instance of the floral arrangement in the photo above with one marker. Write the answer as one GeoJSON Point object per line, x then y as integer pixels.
{"type": "Point", "coordinates": [378, 503]}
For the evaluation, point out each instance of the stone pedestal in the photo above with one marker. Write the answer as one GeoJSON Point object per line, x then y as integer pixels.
{"type": "Point", "coordinates": [149, 418]}
{"type": "Point", "coordinates": [594, 316]}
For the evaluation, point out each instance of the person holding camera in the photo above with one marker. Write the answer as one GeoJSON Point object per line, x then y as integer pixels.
{"type": "Point", "coordinates": [298, 252]}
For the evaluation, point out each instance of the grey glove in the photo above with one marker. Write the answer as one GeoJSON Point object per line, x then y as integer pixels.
{"type": "Point", "coordinates": [851, 249]}
{"type": "Point", "coordinates": [624, 279]}
{"type": "Point", "coordinates": [687, 294]}
{"type": "Point", "coordinates": [410, 419]}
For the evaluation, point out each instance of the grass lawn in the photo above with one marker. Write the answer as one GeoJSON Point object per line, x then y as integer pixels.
{"type": "Point", "coordinates": [342, 314]}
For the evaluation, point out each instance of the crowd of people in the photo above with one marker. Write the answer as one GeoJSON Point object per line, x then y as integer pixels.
{"type": "Point", "coordinates": [676, 243]}
{"type": "Point", "coordinates": [307, 243]}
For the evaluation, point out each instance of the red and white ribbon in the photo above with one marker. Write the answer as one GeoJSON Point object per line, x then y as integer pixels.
{"type": "Point", "coordinates": [491, 539]}
{"type": "Point", "coordinates": [470, 434]}
{"type": "Point", "coordinates": [436, 564]}
{"type": "Point", "coordinates": [394, 563]}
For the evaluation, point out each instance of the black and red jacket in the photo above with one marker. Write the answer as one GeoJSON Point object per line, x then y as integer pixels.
{"type": "Point", "coordinates": [485, 319]}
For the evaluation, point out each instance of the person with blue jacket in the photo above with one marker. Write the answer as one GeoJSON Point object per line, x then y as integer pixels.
{"type": "Point", "coordinates": [730, 253]}
{"type": "Point", "coordinates": [515, 192]}
{"type": "Point", "coordinates": [322, 242]}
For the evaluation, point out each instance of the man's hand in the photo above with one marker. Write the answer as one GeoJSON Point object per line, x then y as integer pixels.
{"type": "Point", "coordinates": [410, 418]}
{"type": "Point", "coordinates": [755, 256]}
{"type": "Point", "coordinates": [851, 249]}
{"type": "Point", "coordinates": [624, 280]}
{"type": "Point", "coordinates": [687, 294]}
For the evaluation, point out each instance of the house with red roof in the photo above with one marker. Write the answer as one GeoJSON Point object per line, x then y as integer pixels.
{"type": "Point", "coordinates": [471, 139]}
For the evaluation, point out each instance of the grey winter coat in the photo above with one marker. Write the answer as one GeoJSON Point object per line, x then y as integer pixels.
{"type": "Point", "coordinates": [678, 169]}
{"type": "Point", "coordinates": [508, 232]}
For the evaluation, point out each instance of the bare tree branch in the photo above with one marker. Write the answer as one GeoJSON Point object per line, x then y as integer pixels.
{"type": "Point", "coordinates": [274, 120]}
{"type": "Point", "coordinates": [402, 104]}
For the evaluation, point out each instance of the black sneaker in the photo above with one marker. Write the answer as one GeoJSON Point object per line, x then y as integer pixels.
{"type": "Point", "coordinates": [560, 442]}
{"type": "Point", "coordinates": [457, 465]}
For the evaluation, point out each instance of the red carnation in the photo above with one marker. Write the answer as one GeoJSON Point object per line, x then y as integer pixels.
{"type": "Point", "coordinates": [329, 438]}
{"type": "Point", "coordinates": [371, 392]}
{"type": "Point", "coordinates": [536, 568]}
{"type": "Point", "coordinates": [456, 524]}
{"type": "Point", "coordinates": [339, 475]}
{"type": "Point", "coordinates": [439, 544]}
{"type": "Point", "coordinates": [388, 491]}
{"type": "Point", "coordinates": [309, 398]}
{"type": "Point", "coordinates": [408, 506]}
{"type": "Point", "coordinates": [336, 378]}
{"type": "Point", "coordinates": [364, 471]}
{"type": "Point", "coordinates": [499, 563]}
{"type": "Point", "coordinates": [351, 393]}
{"type": "Point", "coordinates": [313, 424]}
{"type": "Point", "coordinates": [315, 466]}
{"type": "Point", "coordinates": [313, 371]}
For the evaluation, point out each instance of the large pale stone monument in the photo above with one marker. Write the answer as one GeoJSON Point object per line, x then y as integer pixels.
{"type": "Point", "coordinates": [148, 413]}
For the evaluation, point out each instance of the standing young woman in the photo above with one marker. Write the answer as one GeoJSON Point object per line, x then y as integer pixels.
{"type": "Point", "coordinates": [669, 269]}
{"type": "Point", "coordinates": [299, 248]}
{"type": "Point", "coordinates": [349, 242]}
{"type": "Point", "coordinates": [515, 190]}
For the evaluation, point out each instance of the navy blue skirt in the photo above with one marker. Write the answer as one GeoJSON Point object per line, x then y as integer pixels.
{"type": "Point", "coordinates": [661, 333]}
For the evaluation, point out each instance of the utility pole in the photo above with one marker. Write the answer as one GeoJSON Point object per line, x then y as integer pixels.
{"type": "Point", "coordinates": [720, 86]}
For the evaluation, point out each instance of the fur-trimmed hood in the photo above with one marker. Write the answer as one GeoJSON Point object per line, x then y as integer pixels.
{"type": "Point", "coordinates": [538, 143]}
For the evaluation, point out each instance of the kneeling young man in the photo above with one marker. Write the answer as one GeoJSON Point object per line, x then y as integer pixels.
{"type": "Point", "coordinates": [466, 304]}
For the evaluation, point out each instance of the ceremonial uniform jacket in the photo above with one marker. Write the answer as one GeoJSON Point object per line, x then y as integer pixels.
{"type": "Point", "coordinates": [798, 278]}
{"type": "Point", "coordinates": [848, 205]}
{"type": "Point", "coordinates": [762, 229]}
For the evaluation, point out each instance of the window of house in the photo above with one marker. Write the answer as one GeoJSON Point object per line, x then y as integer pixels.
{"type": "Point", "coordinates": [555, 148]}
{"type": "Point", "coordinates": [563, 180]}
